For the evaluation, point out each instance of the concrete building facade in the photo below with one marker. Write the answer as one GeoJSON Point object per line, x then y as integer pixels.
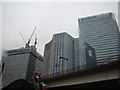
{"type": "Point", "coordinates": [19, 64]}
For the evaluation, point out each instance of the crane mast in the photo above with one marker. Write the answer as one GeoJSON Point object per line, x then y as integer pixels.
{"type": "Point", "coordinates": [27, 44]}
{"type": "Point", "coordinates": [23, 38]}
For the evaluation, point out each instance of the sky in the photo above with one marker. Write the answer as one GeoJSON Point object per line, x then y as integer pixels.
{"type": "Point", "coordinates": [49, 18]}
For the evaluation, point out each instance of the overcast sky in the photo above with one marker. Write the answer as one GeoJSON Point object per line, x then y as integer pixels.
{"type": "Point", "coordinates": [48, 17]}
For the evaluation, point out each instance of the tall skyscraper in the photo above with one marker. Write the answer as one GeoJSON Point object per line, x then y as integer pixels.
{"type": "Point", "coordinates": [58, 54]}
{"type": "Point", "coordinates": [64, 54]}
{"type": "Point", "coordinates": [84, 55]}
{"type": "Point", "coordinates": [19, 64]}
{"type": "Point", "coordinates": [47, 61]}
{"type": "Point", "coordinates": [77, 56]}
{"type": "Point", "coordinates": [101, 32]}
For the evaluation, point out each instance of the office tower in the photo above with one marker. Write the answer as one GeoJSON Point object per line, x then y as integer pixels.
{"type": "Point", "coordinates": [64, 54]}
{"type": "Point", "coordinates": [19, 64]}
{"type": "Point", "coordinates": [84, 55]}
{"type": "Point", "coordinates": [58, 54]}
{"type": "Point", "coordinates": [90, 56]}
{"type": "Point", "coordinates": [47, 61]}
{"type": "Point", "coordinates": [77, 56]}
{"type": "Point", "coordinates": [101, 32]}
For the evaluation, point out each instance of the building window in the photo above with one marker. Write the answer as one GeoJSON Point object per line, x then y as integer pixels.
{"type": "Point", "coordinates": [90, 53]}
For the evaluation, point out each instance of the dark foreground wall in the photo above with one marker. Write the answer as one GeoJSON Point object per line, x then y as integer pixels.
{"type": "Point", "coordinates": [19, 85]}
{"type": "Point", "coordinates": [115, 83]}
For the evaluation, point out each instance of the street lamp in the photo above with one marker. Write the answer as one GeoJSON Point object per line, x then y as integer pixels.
{"type": "Point", "coordinates": [66, 59]}
{"type": "Point", "coordinates": [63, 58]}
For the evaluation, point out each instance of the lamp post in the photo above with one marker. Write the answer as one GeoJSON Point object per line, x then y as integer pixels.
{"type": "Point", "coordinates": [66, 59]}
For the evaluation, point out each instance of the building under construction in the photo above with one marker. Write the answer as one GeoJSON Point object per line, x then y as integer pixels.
{"type": "Point", "coordinates": [20, 64]}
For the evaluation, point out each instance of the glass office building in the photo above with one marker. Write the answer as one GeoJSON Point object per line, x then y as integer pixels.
{"type": "Point", "coordinates": [65, 54]}
{"type": "Point", "coordinates": [84, 55]}
{"type": "Point", "coordinates": [47, 61]}
{"type": "Point", "coordinates": [77, 56]}
{"type": "Point", "coordinates": [102, 33]}
{"type": "Point", "coordinates": [58, 54]}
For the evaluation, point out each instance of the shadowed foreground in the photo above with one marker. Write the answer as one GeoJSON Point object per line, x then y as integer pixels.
{"type": "Point", "coordinates": [18, 85]}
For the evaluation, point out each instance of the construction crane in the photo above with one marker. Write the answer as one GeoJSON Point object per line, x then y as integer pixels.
{"type": "Point", "coordinates": [35, 40]}
{"type": "Point", "coordinates": [23, 38]}
{"type": "Point", "coordinates": [27, 43]}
